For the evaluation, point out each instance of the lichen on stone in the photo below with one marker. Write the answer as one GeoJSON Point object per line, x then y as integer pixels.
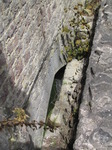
{"type": "Point", "coordinates": [77, 34]}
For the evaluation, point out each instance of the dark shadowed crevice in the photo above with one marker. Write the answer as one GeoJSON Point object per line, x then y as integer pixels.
{"type": "Point", "coordinates": [83, 80]}
{"type": "Point", "coordinates": [56, 88]}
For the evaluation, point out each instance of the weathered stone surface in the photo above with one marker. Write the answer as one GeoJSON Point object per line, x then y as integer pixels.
{"type": "Point", "coordinates": [30, 55]}
{"type": "Point", "coordinates": [65, 108]}
{"type": "Point", "coordinates": [94, 130]}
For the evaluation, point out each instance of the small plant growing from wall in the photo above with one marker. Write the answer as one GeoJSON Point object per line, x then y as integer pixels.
{"type": "Point", "coordinates": [20, 118]}
{"type": "Point", "coordinates": [77, 35]}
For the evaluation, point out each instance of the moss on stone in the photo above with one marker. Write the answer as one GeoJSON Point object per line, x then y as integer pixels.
{"type": "Point", "coordinates": [78, 33]}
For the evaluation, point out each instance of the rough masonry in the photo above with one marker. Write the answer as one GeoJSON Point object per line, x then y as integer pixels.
{"type": "Point", "coordinates": [30, 56]}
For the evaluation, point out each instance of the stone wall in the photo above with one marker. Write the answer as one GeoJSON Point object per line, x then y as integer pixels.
{"type": "Point", "coordinates": [27, 30]}
{"type": "Point", "coordinates": [94, 130]}
{"type": "Point", "coordinates": [30, 56]}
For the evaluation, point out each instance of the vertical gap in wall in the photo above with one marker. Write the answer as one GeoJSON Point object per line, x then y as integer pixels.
{"type": "Point", "coordinates": [55, 92]}
{"type": "Point", "coordinates": [76, 118]}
